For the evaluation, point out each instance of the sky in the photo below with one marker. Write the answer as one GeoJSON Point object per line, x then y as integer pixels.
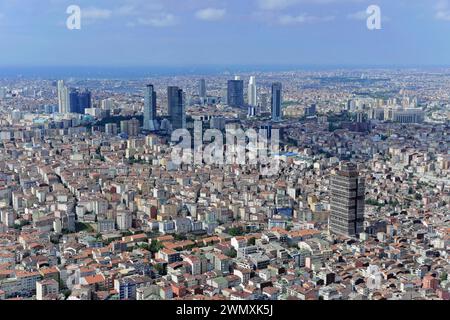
{"type": "Point", "coordinates": [224, 32]}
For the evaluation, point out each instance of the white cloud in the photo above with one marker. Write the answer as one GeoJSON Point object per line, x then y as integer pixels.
{"type": "Point", "coordinates": [161, 21]}
{"type": "Point", "coordinates": [276, 4]}
{"type": "Point", "coordinates": [301, 19]}
{"type": "Point", "coordinates": [138, 8]}
{"type": "Point", "coordinates": [283, 4]}
{"type": "Point", "coordinates": [145, 13]}
{"type": "Point", "coordinates": [211, 14]}
{"type": "Point", "coordinates": [138, 12]}
{"type": "Point", "coordinates": [441, 5]}
{"type": "Point", "coordinates": [126, 10]}
{"type": "Point", "coordinates": [93, 13]}
{"type": "Point", "coordinates": [360, 15]}
{"type": "Point", "coordinates": [442, 10]}
{"type": "Point", "coordinates": [443, 15]}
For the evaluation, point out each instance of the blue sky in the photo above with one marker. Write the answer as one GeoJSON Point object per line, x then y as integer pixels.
{"type": "Point", "coordinates": [224, 32]}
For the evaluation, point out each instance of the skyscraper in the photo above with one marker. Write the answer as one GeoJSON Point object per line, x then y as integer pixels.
{"type": "Point", "coordinates": [74, 103]}
{"type": "Point", "coordinates": [177, 113]}
{"type": "Point", "coordinates": [252, 92]}
{"type": "Point", "coordinates": [276, 101]}
{"type": "Point", "coordinates": [347, 201]}
{"type": "Point", "coordinates": [70, 100]}
{"type": "Point", "coordinates": [235, 93]}
{"type": "Point", "coordinates": [264, 100]}
{"type": "Point", "coordinates": [150, 122]}
{"type": "Point", "coordinates": [84, 101]}
{"type": "Point", "coordinates": [202, 89]}
{"type": "Point", "coordinates": [311, 111]}
{"type": "Point", "coordinates": [62, 97]}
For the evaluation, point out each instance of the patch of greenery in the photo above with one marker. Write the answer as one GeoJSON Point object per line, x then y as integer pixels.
{"type": "Point", "coordinates": [179, 237]}
{"type": "Point", "coordinates": [373, 202]}
{"type": "Point", "coordinates": [232, 253]}
{"type": "Point", "coordinates": [159, 269]}
{"type": "Point", "coordinates": [155, 246]}
{"type": "Point", "coordinates": [236, 231]}
{"type": "Point", "coordinates": [81, 226]}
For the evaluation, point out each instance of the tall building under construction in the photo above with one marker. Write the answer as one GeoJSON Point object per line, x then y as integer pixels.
{"type": "Point", "coordinates": [347, 201]}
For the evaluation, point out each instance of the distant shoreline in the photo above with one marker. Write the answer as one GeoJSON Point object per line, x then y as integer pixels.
{"type": "Point", "coordinates": [136, 72]}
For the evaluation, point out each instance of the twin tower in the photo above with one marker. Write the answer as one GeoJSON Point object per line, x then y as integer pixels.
{"type": "Point", "coordinates": [176, 105]}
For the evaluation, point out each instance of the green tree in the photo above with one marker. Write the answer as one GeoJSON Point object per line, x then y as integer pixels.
{"type": "Point", "coordinates": [155, 246]}
{"type": "Point", "coordinates": [232, 253]}
{"type": "Point", "coordinates": [144, 246]}
{"type": "Point", "coordinates": [66, 293]}
{"type": "Point", "coordinates": [251, 242]}
{"type": "Point", "coordinates": [159, 269]}
{"type": "Point", "coordinates": [179, 237]}
{"type": "Point", "coordinates": [236, 231]}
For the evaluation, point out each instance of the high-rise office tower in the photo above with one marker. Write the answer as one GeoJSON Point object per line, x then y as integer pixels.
{"type": "Point", "coordinates": [252, 92]}
{"type": "Point", "coordinates": [150, 122]}
{"type": "Point", "coordinates": [276, 101]}
{"type": "Point", "coordinates": [311, 111]}
{"type": "Point", "coordinates": [175, 101]}
{"type": "Point", "coordinates": [84, 101]}
{"type": "Point", "coordinates": [70, 100]}
{"type": "Point", "coordinates": [264, 100]}
{"type": "Point", "coordinates": [347, 201]}
{"type": "Point", "coordinates": [74, 102]}
{"type": "Point", "coordinates": [235, 93]}
{"type": "Point", "coordinates": [66, 99]}
{"type": "Point", "coordinates": [62, 97]}
{"type": "Point", "coordinates": [202, 89]}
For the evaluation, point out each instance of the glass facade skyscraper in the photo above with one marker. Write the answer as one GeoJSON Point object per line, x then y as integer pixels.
{"type": "Point", "coordinates": [78, 102]}
{"type": "Point", "coordinates": [235, 93]}
{"type": "Point", "coordinates": [84, 101]}
{"type": "Point", "coordinates": [150, 108]}
{"type": "Point", "coordinates": [276, 101]}
{"type": "Point", "coordinates": [175, 101]}
{"type": "Point", "coordinates": [252, 92]}
{"type": "Point", "coordinates": [202, 88]}
{"type": "Point", "coordinates": [62, 97]}
{"type": "Point", "coordinates": [73, 101]}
